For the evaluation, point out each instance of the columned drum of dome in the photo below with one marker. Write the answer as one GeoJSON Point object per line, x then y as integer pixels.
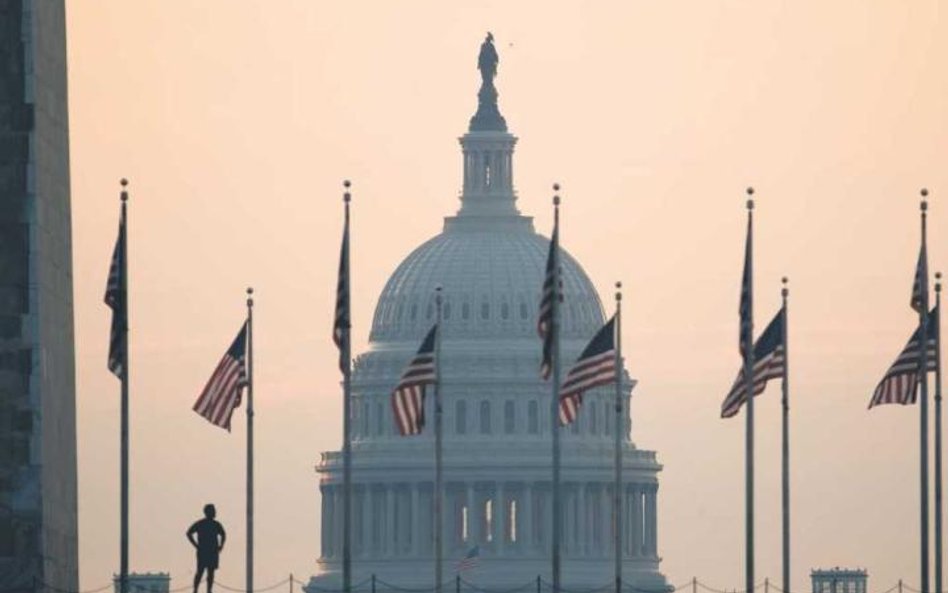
{"type": "Point", "coordinates": [490, 261]}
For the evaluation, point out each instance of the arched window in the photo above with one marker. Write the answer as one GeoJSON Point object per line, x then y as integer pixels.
{"type": "Point", "coordinates": [460, 417]}
{"type": "Point", "coordinates": [485, 311]}
{"type": "Point", "coordinates": [446, 310]}
{"type": "Point", "coordinates": [510, 417]}
{"type": "Point", "coordinates": [608, 412]}
{"type": "Point", "coordinates": [465, 311]}
{"type": "Point", "coordinates": [504, 311]}
{"type": "Point", "coordinates": [593, 417]}
{"type": "Point", "coordinates": [533, 417]}
{"type": "Point", "coordinates": [365, 419]}
{"type": "Point", "coordinates": [524, 311]}
{"type": "Point", "coordinates": [485, 417]}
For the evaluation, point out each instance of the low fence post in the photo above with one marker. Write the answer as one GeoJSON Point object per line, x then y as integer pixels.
{"type": "Point", "coordinates": [538, 583]}
{"type": "Point", "coordinates": [457, 583]}
{"type": "Point", "coordinates": [373, 582]}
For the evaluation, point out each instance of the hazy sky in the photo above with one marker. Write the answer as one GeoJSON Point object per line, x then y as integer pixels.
{"type": "Point", "coordinates": [236, 122]}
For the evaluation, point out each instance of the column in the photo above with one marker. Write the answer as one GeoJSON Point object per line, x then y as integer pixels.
{"type": "Point", "coordinates": [526, 534]}
{"type": "Point", "coordinates": [627, 519]}
{"type": "Point", "coordinates": [326, 522]}
{"type": "Point", "coordinates": [471, 506]}
{"type": "Point", "coordinates": [605, 516]}
{"type": "Point", "coordinates": [415, 523]}
{"type": "Point", "coordinates": [389, 537]}
{"type": "Point", "coordinates": [637, 526]}
{"type": "Point", "coordinates": [582, 518]}
{"type": "Point", "coordinates": [450, 526]}
{"type": "Point", "coordinates": [338, 502]}
{"type": "Point", "coordinates": [500, 517]}
{"type": "Point", "coordinates": [650, 517]}
{"type": "Point", "coordinates": [366, 520]}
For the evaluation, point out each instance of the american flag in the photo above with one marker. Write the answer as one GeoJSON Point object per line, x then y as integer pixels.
{"type": "Point", "coordinates": [745, 310]}
{"type": "Point", "coordinates": [408, 397]}
{"type": "Point", "coordinates": [595, 366]}
{"type": "Point", "coordinates": [769, 363]}
{"type": "Point", "coordinates": [115, 299]}
{"type": "Point", "coordinates": [221, 395]}
{"type": "Point", "coordinates": [920, 284]}
{"type": "Point", "coordinates": [470, 559]}
{"type": "Point", "coordinates": [545, 319]}
{"type": "Point", "coordinates": [340, 326]}
{"type": "Point", "coordinates": [900, 383]}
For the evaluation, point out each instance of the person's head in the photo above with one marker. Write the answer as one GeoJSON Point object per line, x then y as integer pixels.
{"type": "Point", "coordinates": [209, 511]}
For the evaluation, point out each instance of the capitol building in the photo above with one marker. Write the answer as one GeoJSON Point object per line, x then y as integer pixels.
{"type": "Point", "coordinates": [490, 261]}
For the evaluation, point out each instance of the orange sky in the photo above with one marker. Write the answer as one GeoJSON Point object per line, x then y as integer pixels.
{"type": "Point", "coordinates": [236, 122]}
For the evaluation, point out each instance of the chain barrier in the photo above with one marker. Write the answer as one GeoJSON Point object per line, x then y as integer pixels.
{"type": "Point", "coordinates": [448, 586]}
{"type": "Point", "coordinates": [261, 589]}
{"type": "Point", "coordinates": [394, 587]}
{"type": "Point", "coordinates": [605, 587]}
{"type": "Point", "coordinates": [531, 584]}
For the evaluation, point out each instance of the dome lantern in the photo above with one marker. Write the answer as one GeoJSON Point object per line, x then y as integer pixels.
{"type": "Point", "coordinates": [488, 195]}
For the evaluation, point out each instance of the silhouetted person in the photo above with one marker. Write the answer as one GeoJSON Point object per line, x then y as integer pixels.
{"type": "Point", "coordinates": [209, 542]}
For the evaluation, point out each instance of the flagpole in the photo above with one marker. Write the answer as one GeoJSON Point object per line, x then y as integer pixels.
{"type": "Point", "coordinates": [785, 474]}
{"type": "Point", "coordinates": [923, 405]}
{"type": "Point", "coordinates": [938, 497]}
{"type": "Point", "coordinates": [555, 399]}
{"type": "Point", "coordinates": [749, 389]}
{"type": "Point", "coordinates": [346, 414]}
{"type": "Point", "coordinates": [250, 378]}
{"type": "Point", "coordinates": [619, 425]}
{"type": "Point", "coordinates": [439, 486]}
{"type": "Point", "coordinates": [123, 561]}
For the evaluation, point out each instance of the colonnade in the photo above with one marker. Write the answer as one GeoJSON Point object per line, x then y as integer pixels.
{"type": "Point", "coordinates": [502, 518]}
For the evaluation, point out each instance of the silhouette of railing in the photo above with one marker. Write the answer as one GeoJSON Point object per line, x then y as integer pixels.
{"type": "Point", "coordinates": [458, 584]}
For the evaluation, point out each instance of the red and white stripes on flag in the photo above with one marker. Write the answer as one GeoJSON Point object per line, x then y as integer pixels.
{"type": "Point", "coordinates": [595, 366]}
{"type": "Point", "coordinates": [920, 283]}
{"type": "Point", "coordinates": [341, 322]}
{"type": "Point", "coordinates": [408, 397]}
{"type": "Point", "coordinates": [770, 362]}
{"type": "Point", "coordinates": [900, 383]}
{"type": "Point", "coordinates": [115, 298]}
{"type": "Point", "coordinates": [545, 318]}
{"type": "Point", "coordinates": [222, 394]}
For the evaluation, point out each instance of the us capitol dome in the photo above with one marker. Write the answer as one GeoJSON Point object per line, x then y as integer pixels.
{"type": "Point", "coordinates": [490, 261]}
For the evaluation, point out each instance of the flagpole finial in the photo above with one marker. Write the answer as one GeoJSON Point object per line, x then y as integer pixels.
{"type": "Point", "coordinates": [250, 296]}
{"type": "Point", "coordinates": [346, 196]}
{"type": "Point", "coordinates": [618, 291]}
{"type": "Point", "coordinates": [924, 204]}
{"type": "Point", "coordinates": [124, 194]}
{"type": "Point", "coordinates": [438, 294]}
{"type": "Point", "coordinates": [937, 281]}
{"type": "Point", "coordinates": [784, 291]}
{"type": "Point", "coordinates": [556, 197]}
{"type": "Point", "coordinates": [750, 200]}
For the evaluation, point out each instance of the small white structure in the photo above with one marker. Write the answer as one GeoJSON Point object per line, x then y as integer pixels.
{"type": "Point", "coordinates": [490, 261]}
{"type": "Point", "coordinates": [839, 580]}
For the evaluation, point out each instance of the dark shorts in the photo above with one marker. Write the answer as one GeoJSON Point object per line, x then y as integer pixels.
{"type": "Point", "coordinates": [207, 559]}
